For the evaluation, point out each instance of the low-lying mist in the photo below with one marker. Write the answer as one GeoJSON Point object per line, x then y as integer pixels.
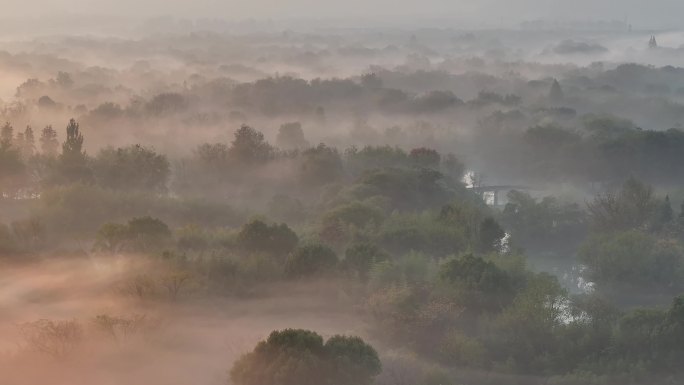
{"type": "Point", "coordinates": [128, 337]}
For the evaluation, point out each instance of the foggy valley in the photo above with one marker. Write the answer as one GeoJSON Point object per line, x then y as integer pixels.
{"type": "Point", "coordinates": [295, 193]}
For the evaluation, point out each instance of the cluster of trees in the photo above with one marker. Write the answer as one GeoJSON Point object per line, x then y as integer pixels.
{"type": "Point", "coordinates": [490, 312]}
{"type": "Point", "coordinates": [25, 171]}
{"type": "Point", "coordinates": [437, 270]}
{"type": "Point", "coordinates": [544, 226]}
{"type": "Point", "coordinates": [636, 248]}
{"type": "Point", "coordinates": [294, 356]}
{"type": "Point", "coordinates": [418, 178]}
{"type": "Point", "coordinates": [139, 234]}
{"type": "Point", "coordinates": [603, 149]}
{"type": "Point", "coordinates": [434, 270]}
{"type": "Point", "coordinates": [22, 236]}
{"type": "Point", "coordinates": [18, 151]}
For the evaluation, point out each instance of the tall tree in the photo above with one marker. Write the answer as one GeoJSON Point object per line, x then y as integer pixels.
{"type": "Point", "coordinates": [490, 235]}
{"type": "Point", "coordinates": [28, 146]}
{"type": "Point", "coordinates": [72, 148]}
{"type": "Point", "coordinates": [6, 136]}
{"type": "Point", "coordinates": [249, 146]}
{"type": "Point", "coordinates": [73, 160]}
{"type": "Point", "coordinates": [291, 137]}
{"type": "Point", "coordinates": [11, 166]}
{"type": "Point", "coordinates": [18, 142]}
{"type": "Point", "coordinates": [48, 142]}
{"type": "Point", "coordinates": [556, 92]}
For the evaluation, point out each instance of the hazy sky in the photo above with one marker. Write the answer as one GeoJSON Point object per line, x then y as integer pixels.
{"type": "Point", "coordinates": [638, 12]}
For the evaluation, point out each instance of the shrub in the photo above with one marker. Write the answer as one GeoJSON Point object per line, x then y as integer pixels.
{"type": "Point", "coordinates": [57, 339]}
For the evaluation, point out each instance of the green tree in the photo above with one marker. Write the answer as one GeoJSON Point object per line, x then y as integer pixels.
{"type": "Point", "coordinates": [250, 147]}
{"type": "Point", "coordinates": [310, 260]}
{"type": "Point", "coordinates": [148, 234]}
{"type": "Point", "coordinates": [321, 165]}
{"type": "Point", "coordinates": [371, 81]}
{"type": "Point", "coordinates": [112, 237]}
{"type": "Point", "coordinates": [134, 168]}
{"type": "Point", "coordinates": [490, 235]}
{"type": "Point", "coordinates": [374, 157]}
{"type": "Point", "coordinates": [142, 234]}
{"type": "Point", "coordinates": [481, 284]}
{"type": "Point", "coordinates": [291, 137]}
{"type": "Point", "coordinates": [665, 213]}
{"type": "Point", "coordinates": [28, 147]}
{"type": "Point", "coordinates": [166, 104]}
{"type": "Point", "coordinates": [298, 357]}
{"type": "Point", "coordinates": [48, 142]}
{"type": "Point", "coordinates": [276, 239]}
{"type": "Point", "coordinates": [526, 332]}
{"type": "Point", "coordinates": [360, 258]}
{"type": "Point", "coordinates": [353, 361]}
{"type": "Point", "coordinates": [425, 157]}
{"type": "Point", "coordinates": [548, 224]}
{"type": "Point", "coordinates": [6, 136]}
{"type": "Point", "coordinates": [354, 213]}
{"type": "Point", "coordinates": [633, 259]}
{"type": "Point", "coordinates": [73, 160]}
{"type": "Point", "coordinates": [11, 166]}
{"type": "Point", "coordinates": [406, 188]}
{"type": "Point", "coordinates": [453, 167]}
{"type": "Point", "coordinates": [556, 92]}
{"type": "Point", "coordinates": [72, 148]}
{"type": "Point", "coordinates": [634, 206]}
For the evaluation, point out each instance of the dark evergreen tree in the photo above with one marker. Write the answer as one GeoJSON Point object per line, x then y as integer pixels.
{"type": "Point", "coordinates": [73, 160]}
{"type": "Point", "coordinates": [556, 93]}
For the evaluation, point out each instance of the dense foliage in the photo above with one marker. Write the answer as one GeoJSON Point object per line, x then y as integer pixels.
{"type": "Point", "coordinates": [431, 266]}
{"type": "Point", "coordinates": [293, 357]}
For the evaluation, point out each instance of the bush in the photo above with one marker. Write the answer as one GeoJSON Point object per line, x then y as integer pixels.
{"type": "Point", "coordinates": [56, 339]}
{"type": "Point", "coordinates": [122, 329]}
